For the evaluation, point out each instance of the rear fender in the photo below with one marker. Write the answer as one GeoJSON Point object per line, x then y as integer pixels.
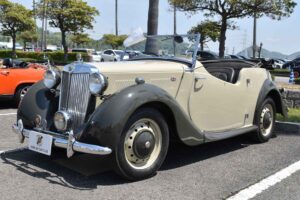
{"type": "Point", "coordinates": [269, 89]}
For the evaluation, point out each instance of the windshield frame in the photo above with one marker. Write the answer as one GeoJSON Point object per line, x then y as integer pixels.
{"type": "Point", "coordinates": [192, 64]}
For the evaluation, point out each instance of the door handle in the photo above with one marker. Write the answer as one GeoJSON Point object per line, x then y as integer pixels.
{"type": "Point", "coordinates": [5, 73]}
{"type": "Point", "coordinates": [198, 78]}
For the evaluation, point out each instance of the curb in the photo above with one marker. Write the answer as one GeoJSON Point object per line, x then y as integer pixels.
{"type": "Point", "coordinates": [287, 127]}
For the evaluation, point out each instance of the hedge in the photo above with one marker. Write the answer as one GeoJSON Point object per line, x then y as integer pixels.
{"type": "Point", "coordinates": [281, 72]}
{"type": "Point", "coordinates": [57, 57]}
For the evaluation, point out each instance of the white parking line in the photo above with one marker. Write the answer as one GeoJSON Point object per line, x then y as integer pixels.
{"type": "Point", "coordinates": [13, 150]}
{"type": "Point", "coordinates": [266, 183]}
{"type": "Point", "coordinates": [6, 114]}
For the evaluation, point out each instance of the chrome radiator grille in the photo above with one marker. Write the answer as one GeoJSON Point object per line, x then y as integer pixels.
{"type": "Point", "coordinates": [75, 96]}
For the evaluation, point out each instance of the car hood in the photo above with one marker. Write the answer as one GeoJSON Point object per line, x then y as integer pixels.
{"type": "Point", "coordinates": [164, 74]}
{"type": "Point", "coordinates": [139, 66]}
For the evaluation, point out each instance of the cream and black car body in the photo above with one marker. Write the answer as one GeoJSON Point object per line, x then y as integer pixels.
{"type": "Point", "coordinates": [131, 110]}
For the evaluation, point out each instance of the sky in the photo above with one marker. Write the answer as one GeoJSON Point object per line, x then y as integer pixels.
{"type": "Point", "coordinates": [281, 36]}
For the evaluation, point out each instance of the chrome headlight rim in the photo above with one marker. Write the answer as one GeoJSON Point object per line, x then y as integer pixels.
{"type": "Point", "coordinates": [66, 118]}
{"type": "Point", "coordinates": [98, 83]}
{"type": "Point", "coordinates": [51, 79]}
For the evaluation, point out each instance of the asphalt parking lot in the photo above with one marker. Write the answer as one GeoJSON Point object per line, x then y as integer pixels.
{"type": "Point", "coordinates": [212, 171]}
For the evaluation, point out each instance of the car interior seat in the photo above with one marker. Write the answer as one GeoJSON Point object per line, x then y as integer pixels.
{"type": "Point", "coordinates": [225, 73]}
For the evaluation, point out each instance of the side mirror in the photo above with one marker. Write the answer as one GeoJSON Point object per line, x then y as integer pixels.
{"type": "Point", "coordinates": [178, 39]}
{"type": "Point", "coordinates": [8, 62]}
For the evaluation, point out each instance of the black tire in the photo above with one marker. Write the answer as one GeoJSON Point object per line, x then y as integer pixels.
{"type": "Point", "coordinates": [102, 60]}
{"type": "Point", "coordinates": [133, 133]}
{"type": "Point", "coordinates": [265, 120]}
{"type": "Point", "coordinates": [21, 91]}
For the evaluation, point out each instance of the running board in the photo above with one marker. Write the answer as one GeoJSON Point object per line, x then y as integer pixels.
{"type": "Point", "coordinates": [214, 136]}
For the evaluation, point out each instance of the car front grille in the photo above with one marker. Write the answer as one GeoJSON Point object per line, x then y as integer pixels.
{"type": "Point", "coordinates": [75, 96]}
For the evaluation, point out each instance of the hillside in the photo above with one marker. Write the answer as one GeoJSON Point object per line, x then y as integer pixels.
{"type": "Point", "coordinates": [269, 54]}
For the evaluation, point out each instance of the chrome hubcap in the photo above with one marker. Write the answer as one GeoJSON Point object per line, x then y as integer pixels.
{"type": "Point", "coordinates": [143, 143]}
{"type": "Point", "coordinates": [266, 120]}
{"type": "Point", "coordinates": [24, 92]}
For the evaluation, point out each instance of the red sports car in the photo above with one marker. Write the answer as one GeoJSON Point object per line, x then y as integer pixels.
{"type": "Point", "coordinates": [17, 76]}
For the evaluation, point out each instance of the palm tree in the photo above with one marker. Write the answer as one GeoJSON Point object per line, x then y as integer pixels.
{"type": "Point", "coordinates": [151, 46]}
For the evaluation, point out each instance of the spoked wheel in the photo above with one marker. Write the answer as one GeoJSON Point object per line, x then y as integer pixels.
{"type": "Point", "coordinates": [21, 92]}
{"type": "Point", "coordinates": [24, 91]}
{"type": "Point", "coordinates": [265, 120]}
{"type": "Point", "coordinates": [143, 145]}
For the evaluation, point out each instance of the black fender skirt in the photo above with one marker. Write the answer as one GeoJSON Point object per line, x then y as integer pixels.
{"type": "Point", "coordinates": [107, 122]}
{"type": "Point", "coordinates": [38, 103]}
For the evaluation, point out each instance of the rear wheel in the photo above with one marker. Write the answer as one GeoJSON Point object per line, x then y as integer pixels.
{"type": "Point", "coordinates": [21, 92]}
{"type": "Point", "coordinates": [265, 120]}
{"type": "Point", "coordinates": [143, 145]}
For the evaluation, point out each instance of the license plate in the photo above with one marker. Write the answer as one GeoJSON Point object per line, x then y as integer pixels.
{"type": "Point", "coordinates": [40, 143]}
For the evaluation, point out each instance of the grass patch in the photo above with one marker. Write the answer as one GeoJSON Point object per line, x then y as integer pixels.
{"type": "Point", "coordinates": [293, 116]}
{"type": "Point", "coordinates": [281, 70]}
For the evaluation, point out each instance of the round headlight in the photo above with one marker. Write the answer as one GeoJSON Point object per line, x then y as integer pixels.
{"type": "Point", "coordinates": [51, 79]}
{"type": "Point", "coordinates": [98, 83]}
{"type": "Point", "coordinates": [62, 121]}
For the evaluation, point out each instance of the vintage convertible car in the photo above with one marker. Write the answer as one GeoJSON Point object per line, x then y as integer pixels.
{"type": "Point", "coordinates": [17, 76]}
{"type": "Point", "coordinates": [130, 110]}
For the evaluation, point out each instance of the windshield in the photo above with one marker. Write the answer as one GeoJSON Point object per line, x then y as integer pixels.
{"type": "Point", "coordinates": [119, 52]}
{"type": "Point", "coordinates": [169, 46]}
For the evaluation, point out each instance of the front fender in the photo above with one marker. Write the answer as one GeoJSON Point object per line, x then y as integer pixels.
{"type": "Point", "coordinates": [107, 122]}
{"type": "Point", "coordinates": [39, 100]}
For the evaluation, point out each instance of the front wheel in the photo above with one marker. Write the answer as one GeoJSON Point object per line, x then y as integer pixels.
{"type": "Point", "coordinates": [143, 145]}
{"type": "Point", "coordinates": [265, 120]}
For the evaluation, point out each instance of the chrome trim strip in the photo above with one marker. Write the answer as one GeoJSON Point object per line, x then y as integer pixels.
{"type": "Point", "coordinates": [69, 143]}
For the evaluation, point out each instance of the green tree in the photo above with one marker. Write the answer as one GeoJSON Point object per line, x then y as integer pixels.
{"type": "Point", "coordinates": [231, 9]}
{"type": "Point", "coordinates": [28, 36]}
{"type": "Point", "coordinates": [209, 31]}
{"type": "Point", "coordinates": [14, 19]}
{"type": "Point", "coordinates": [153, 12]}
{"type": "Point", "coordinates": [70, 16]}
{"type": "Point", "coordinates": [113, 40]}
{"type": "Point", "coordinates": [80, 39]}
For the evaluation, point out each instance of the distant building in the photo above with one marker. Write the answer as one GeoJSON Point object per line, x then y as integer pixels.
{"type": "Point", "coordinates": [9, 45]}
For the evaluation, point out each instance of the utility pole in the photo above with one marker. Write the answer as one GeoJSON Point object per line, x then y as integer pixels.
{"type": "Point", "coordinates": [43, 25]}
{"type": "Point", "coordinates": [36, 28]}
{"type": "Point", "coordinates": [175, 20]}
{"type": "Point", "coordinates": [46, 26]}
{"type": "Point", "coordinates": [175, 28]}
{"type": "Point", "coordinates": [254, 35]}
{"type": "Point", "coordinates": [116, 17]}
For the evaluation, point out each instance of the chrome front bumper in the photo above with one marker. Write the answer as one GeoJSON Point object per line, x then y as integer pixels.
{"type": "Point", "coordinates": [67, 142]}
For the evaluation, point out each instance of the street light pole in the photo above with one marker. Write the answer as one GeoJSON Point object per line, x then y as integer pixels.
{"type": "Point", "coordinates": [43, 25]}
{"type": "Point", "coordinates": [175, 20]}
{"type": "Point", "coordinates": [46, 26]}
{"type": "Point", "coordinates": [116, 17]}
{"type": "Point", "coordinates": [254, 35]}
{"type": "Point", "coordinates": [36, 28]}
{"type": "Point", "coordinates": [175, 29]}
